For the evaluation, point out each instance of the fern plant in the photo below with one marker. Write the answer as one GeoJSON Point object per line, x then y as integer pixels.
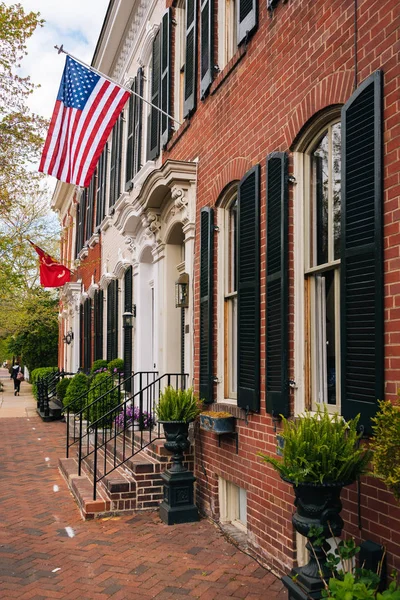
{"type": "Point", "coordinates": [178, 405]}
{"type": "Point", "coordinates": [386, 445]}
{"type": "Point", "coordinates": [320, 448]}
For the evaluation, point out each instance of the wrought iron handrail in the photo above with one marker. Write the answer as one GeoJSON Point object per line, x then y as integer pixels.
{"type": "Point", "coordinates": [116, 422]}
{"type": "Point", "coordinates": [82, 400]}
{"type": "Point", "coordinates": [124, 386]}
{"type": "Point", "coordinates": [47, 389]}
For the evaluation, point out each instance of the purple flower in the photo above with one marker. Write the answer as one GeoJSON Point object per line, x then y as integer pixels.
{"type": "Point", "coordinates": [131, 415]}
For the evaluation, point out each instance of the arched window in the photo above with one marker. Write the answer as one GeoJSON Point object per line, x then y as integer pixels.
{"type": "Point", "coordinates": [322, 177]}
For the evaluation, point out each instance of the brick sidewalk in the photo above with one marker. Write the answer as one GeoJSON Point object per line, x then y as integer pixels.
{"type": "Point", "coordinates": [47, 551]}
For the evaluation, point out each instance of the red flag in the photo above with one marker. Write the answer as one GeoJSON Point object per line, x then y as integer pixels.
{"type": "Point", "coordinates": [86, 109]}
{"type": "Point", "coordinates": [52, 273]}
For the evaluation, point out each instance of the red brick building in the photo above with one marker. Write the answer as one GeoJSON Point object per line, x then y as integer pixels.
{"type": "Point", "coordinates": [290, 121]}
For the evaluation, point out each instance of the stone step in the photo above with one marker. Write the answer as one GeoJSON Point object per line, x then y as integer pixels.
{"type": "Point", "coordinates": [55, 412]}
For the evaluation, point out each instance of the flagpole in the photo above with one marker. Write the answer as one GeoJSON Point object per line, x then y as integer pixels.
{"type": "Point", "coordinates": [61, 50]}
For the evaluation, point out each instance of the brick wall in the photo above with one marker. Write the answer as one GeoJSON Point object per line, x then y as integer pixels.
{"type": "Point", "coordinates": [298, 62]}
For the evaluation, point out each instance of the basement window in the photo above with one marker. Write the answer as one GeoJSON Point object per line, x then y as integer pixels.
{"type": "Point", "coordinates": [232, 504]}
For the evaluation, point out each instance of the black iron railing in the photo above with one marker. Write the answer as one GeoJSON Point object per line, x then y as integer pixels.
{"type": "Point", "coordinates": [47, 390]}
{"type": "Point", "coordinates": [127, 428]}
{"type": "Point", "coordinates": [75, 411]}
{"type": "Point", "coordinates": [110, 392]}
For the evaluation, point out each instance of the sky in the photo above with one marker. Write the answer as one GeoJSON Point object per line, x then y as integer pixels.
{"type": "Point", "coordinates": [74, 23]}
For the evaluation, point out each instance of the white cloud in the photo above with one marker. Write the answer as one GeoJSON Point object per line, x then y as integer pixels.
{"type": "Point", "coordinates": [74, 23]}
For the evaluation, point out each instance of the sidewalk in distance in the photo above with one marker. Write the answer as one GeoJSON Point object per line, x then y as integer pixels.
{"type": "Point", "coordinates": [48, 551]}
{"type": "Point", "coordinates": [23, 405]}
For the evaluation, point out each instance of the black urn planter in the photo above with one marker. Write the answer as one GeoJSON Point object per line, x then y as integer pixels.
{"type": "Point", "coordinates": [317, 505]}
{"type": "Point", "coordinates": [178, 503]}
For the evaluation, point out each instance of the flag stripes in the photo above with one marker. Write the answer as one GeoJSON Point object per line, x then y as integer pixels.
{"type": "Point", "coordinates": [86, 109]}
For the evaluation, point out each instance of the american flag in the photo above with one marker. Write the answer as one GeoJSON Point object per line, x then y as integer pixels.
{"type": "Point", "coordinates": [86, 109]}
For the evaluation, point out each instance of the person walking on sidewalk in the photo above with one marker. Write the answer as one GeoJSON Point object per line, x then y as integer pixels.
{"type": "Point", "coordinates": [16, 374]}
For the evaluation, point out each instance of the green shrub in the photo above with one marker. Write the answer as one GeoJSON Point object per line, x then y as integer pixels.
{"type": "Point", "coordinates": [110, 398]}
{"type": "Point", "coordinates": [385, 445]}
{"type": "Point", "coordinates": [34, 376]}
{"type": "Point", "coordinates": [61, 388]}
{"type": "Point", "coordinates": [75, 397]}
{"type": "Point", "coordinates": [178, 405]}
{"type": "Point", "coordinates": [116, 366]}
{"type": "Point", "coordinates": [320, 448]}
{"type": "Point", "coordinates": [98, 364]}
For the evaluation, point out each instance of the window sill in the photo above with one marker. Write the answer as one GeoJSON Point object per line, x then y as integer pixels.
{"type": "Point", "coordinates": [232, 409]}
{"type": "Point", "coordinates": [227, 70]}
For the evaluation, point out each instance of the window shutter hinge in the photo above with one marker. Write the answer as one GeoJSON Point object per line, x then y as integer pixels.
{"type": "Point", "coordinates": [292, 179]}
{"type": "Point", "coordinates": [215, 227]}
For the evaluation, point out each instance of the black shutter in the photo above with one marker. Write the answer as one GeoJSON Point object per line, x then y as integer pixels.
{"type": "Point", "coordinates": [78, 229]}
{"type": "Point", "coordinates": [81, 221]}
{"type": "Point", "coordinates": [110, 314]}
{"type": "Point", "coordinates": [153, 149]}
{"type": "Point", "coordinates": [113, 164]}
{"type": "Point", "coordinates": [81, 336]}
{"type": "Point", "coordinates": [87, 337]}
{"type": "Point", "coordinates": [130, 136]}
{"type": "Point", "coordinates": [138, 116]}
{"type": "Point", "coordinates": [166, 69]}
{"type": "Point", "coordinates": [118, 174]}
{"type": "Point", "coordinates": [190, 58]}
{"type": "Point", "coordinates": [115, 320]}
{"type": "Point", "coordinates": [206, 303]}
{"type": "Point", "coordinates": [361, 273]}
{"type": "Point", "coordinates": [246, 19]}
{"type": "Point", "coordinates": [98, 324]}
{"type": "Point", "coordinates": [277, 383]}
{"type": "Point", "coordinates": [128, 306]}
{"type": "Point", "coordinates": [90, 206]}
{"type": "Point", "coordinates": [249, 291]}
{"type": "Point", "coordinates": [206, 46]}
{"type": "Point", "coordinates": [101, 186]}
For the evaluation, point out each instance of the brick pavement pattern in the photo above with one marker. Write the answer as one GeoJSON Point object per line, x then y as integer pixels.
{"type": "Point", "coordinates": [48, 551]}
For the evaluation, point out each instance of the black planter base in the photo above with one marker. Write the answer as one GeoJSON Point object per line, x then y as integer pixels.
{"type": "Point", "coordinates": [178, 506]}
{"type": "Point", "coordinates": [304, 588]}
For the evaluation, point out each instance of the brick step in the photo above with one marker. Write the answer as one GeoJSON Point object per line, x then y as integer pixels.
{"type": "Point", "coordinates": [82, 489]}
{"type": "Point", "coordinates": [131, 487]}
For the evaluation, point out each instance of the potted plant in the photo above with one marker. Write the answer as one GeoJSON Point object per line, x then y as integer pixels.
{"type": "Point", "coordinates": [385, 445]}
{"type": "Point", "coordinates": [175, 410]}
{"type": "Point", "coordinates": [218, 422]}
{"type": "Point", "coordinates": [320, 455]}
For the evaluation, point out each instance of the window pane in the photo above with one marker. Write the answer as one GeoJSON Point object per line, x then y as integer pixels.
{"type": "Point", "coordinates": [232, 340]}
{"type": "Point", "coordinates": [232, 254]}
{"type": "Point", "coordinates": [325, 351]}
{"type": "Point", "coordinates": [336, 187]}
{"type": "Point", "coordinates": [319, 189]}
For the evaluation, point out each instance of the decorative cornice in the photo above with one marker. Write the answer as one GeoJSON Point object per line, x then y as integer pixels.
{"type": "Point", "coordinates": [95, 239]}
{"type": "Point", "coordinates": [137, 23]}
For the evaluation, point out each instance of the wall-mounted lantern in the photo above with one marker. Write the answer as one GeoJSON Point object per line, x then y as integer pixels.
{"type": "Point", "coordinates": [68, 337]}
{"type": "Point", "coordinates": [182, 291]}
{"type": "Point", "coordinates": [127, 319]}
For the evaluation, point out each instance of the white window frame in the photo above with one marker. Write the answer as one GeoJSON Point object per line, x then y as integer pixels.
{"type": "Point", "coordinates": [227, 31]}
{"type": "Point", "coordinates": [301, 166]}
{"type": "Point", "coordinates": [232, 504]}
{"type": "Point", "coordinates": [224, 393]}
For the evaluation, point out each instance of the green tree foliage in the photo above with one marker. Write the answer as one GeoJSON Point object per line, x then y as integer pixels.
{"type": "Point", "coordinates": [21, 131]}
{"type": "Point", "coordinates": [35, 335]}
